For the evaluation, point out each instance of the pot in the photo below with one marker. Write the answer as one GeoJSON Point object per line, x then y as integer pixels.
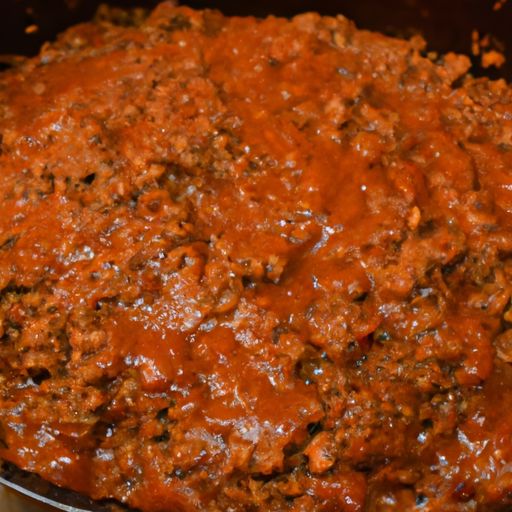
{"type": "Point", "coordinates": [472, 27]}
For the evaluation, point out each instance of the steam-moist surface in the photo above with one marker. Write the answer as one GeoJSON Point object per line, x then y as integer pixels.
{"type": "Point", "coordinates": [256, 265]}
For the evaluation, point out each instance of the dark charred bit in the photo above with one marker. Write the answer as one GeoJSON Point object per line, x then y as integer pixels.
{"type": "Point", "coordinates": [89, 178]}
{"type": "Point", "coordinates": [421, 500]}
{"type": "Point", "coordinates": [177, 22]}
{"type": "Point", "coordinates": [39, 375]}
{"type": "Point", "coordinates": [162, 438]}
{"type": "Point", "coordinates": [278, 330]}
{"type": "Point", "coordinates": [314, 428]}
{"type": "Point", "coordinates": [9, 243]}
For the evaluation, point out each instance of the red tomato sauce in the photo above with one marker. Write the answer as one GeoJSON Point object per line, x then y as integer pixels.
{"type": "Point", "coordinates": [256, 265]}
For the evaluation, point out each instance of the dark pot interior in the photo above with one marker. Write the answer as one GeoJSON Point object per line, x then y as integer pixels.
{"type": "Point", "coordinates": [447, 25]}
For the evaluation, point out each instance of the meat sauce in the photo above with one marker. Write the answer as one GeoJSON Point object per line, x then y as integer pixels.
{"type": "Point", "coordinates": [256, 265]}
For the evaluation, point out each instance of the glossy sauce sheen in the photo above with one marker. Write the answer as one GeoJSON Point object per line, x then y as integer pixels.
{"type": "Point", "coordinates": [256, 265]}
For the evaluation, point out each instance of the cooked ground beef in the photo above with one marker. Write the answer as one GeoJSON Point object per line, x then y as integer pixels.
{"type": "Point", "coordinates": [256, 265]}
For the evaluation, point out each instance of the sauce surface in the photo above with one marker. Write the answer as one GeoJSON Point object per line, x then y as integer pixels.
{"type": "Point", "coordinates": [256, 264]}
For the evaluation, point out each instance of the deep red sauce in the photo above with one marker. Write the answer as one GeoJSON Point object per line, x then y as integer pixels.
{"type": "Point", "coordinates": [256, 264]}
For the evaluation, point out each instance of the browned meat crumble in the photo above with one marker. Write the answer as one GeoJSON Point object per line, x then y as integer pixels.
{"type": "Point", "coordinates": [256, 265]}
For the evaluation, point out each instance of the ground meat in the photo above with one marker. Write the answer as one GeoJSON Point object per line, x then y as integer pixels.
{"type": "Point", "coordinates": [256, 265]}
